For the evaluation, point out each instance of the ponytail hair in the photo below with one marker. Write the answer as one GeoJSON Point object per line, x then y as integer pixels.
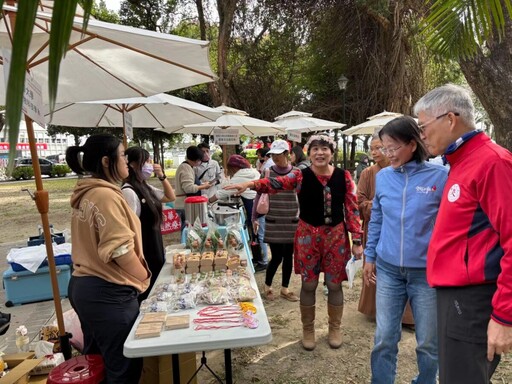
{"type": "Point", "coordinates": [88, 158]}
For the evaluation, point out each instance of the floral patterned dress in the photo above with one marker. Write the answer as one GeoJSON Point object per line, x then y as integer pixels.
{"type": "Point", "coordinates": [323, 248]}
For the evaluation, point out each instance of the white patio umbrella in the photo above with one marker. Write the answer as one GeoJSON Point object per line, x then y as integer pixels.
{"type": "Point", "coordinates": [374, 122]}
{"type": "Point", "coordinates": [107, 61]}
{"type": "Point", "coordinates": [112, 61]}
{"type": "Point", "coordinates": [304, 122]}
{"type": "Point", "coordinates": [157, 111]}
{"type": "Point", "coordinates": [232, 118]}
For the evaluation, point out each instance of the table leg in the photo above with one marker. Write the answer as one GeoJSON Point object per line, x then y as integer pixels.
{"type": "Point", "coordinates": [176, 369]}
{"type": "Point", "coordinates": [227, 363]}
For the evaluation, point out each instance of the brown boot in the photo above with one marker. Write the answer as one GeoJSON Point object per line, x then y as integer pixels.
{"type": "Point", "coordinates": [335, 313]}
{"type": "Point", "coordinates": [307, 314]}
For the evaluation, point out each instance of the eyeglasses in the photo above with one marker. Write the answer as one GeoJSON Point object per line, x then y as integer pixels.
{"type": "Point", "coordinates": [424, 125]}
{"type": "Point", "coordinates": [390, 151]}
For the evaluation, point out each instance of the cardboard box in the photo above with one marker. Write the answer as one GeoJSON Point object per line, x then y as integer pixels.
{"type": "Point", "coordinates": [20, 364]}
{"type": "Point", "coordinates": [158, 369]}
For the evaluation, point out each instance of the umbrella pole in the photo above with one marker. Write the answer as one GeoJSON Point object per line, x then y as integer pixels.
{"type": "Point", "coordinates": [43, 203]}
{"type": "Point", "coordinates": [224, 159]}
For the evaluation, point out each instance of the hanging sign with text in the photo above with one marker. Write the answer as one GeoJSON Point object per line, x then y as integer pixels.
{"type": "Point", "coordinates": [228, 136]}
{"type": "Point", "coordinates": [128, 127]}
{"type": "Point", "coordinates": [32, 94]}
{"type": "Point", "coordinates": [294, 136]}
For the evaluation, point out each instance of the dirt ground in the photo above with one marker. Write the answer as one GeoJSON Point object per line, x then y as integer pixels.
{"type": "Point", "coordinates": [283, 360]}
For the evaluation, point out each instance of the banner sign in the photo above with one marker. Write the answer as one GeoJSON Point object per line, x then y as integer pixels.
{"type": "Point", "coordinates": [22, 146]}
{"type": "Point", "coordinates": [228, 136]}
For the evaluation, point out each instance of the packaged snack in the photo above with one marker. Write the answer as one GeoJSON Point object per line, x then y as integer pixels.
{"type": "Point", "coordinates": [234, 241]}
{"type": "Point", "coordinates": [213, 239]}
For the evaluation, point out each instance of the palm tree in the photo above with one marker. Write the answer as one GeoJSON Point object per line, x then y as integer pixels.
{"type": "Point", "coordinates": [473, 33]}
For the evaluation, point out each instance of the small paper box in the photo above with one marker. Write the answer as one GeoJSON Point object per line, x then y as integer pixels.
{"type": "Point", "coordinates": [177, 322]}
{"type": "Point", "coordinates": [206, 268]}
{"type": "Point", "coordinates": [194, 269]}
{"type": "Point", "coordinates": [193, 261]}
{"type": "Point", "coordinates": [153, 317]}
{"type": "Point", "coordinates": [146, 330]}
{"type": "Point", "coordinates": [207, 259]}
{"type": "Point", "coordinates": [220, 267]}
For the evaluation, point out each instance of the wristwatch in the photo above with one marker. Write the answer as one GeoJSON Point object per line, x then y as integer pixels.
{"type": "Point", "coordinates": [163, 177]}
{"type": "Point", "coordinates": [356, 242]}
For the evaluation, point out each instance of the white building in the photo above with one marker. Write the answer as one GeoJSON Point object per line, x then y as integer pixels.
{"type": "Point", "coordinates": [46, 145]}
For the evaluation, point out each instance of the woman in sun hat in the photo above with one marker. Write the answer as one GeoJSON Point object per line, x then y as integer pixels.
{"type": "Point", "coordinates": [328, 211]}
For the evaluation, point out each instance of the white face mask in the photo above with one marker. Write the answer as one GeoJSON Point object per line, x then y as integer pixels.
{"type": "Point", "coordinates": [147, 170]}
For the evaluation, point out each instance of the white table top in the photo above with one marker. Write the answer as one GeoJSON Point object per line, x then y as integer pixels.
{"type": "Point", "coordinates": [190, 340]}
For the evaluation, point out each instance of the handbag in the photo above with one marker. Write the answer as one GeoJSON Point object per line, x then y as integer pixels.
{"type": "Point", "coordinates": [264, 201]}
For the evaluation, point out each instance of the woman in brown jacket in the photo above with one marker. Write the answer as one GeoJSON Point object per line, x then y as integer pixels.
{"type": "Point", "coordinates": [365, 194]}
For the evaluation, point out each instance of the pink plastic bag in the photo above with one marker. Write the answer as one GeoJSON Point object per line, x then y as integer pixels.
{"type": "Point", "coordinates": [263, 202]}
{"type": "Point", "coordinates": [73, 326]}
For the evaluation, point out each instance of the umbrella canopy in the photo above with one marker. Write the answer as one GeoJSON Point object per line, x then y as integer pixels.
{"type": "Point", "coordinates": [111, 61]}
{"type": "Point", "coordinates": [374, 122]}
{"type": "Point", "coordinates": [304, 122]}
{"type": "Point", "coordinates": [158, 111]}
{"type": "Point", "coordinates": [107, 61]}
{"type": "Point", "coordinates": [233, 118]}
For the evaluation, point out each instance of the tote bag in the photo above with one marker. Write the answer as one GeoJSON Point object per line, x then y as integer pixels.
{"type": "Point", "coordinates": [263, 202]}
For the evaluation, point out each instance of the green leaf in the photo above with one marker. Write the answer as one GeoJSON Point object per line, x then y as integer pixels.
{"type": "Point", "coordinates": [16, 86]}
{"type": "Point", "coordinates": [62, 24]}
{"type": "Point", "coordinates": [458, 28]}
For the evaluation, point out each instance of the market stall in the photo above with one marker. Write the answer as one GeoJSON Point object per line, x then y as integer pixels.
{"type": "Point", "coordinates": [207, 326]}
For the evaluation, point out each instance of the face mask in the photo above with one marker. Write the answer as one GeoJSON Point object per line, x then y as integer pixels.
{"type": "Point", "coordinates": [147, 170]}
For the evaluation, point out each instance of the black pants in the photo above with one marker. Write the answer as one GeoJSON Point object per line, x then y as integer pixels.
{"type": "Point", "coordinates": [463, 314]}
{"type": "Point", "coordinates": [280, 253]}
{"type": "Point", "coordinates": [107, 312]}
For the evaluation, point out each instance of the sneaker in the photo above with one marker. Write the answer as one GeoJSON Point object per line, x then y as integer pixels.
{"type": "Point", "coordinates": [260, 267]}
{"type": "Point", "coordinates": [325, 290]}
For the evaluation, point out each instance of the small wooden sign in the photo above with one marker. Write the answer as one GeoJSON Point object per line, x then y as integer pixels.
{"type": "Point", "coordinates": [154, 317]}
{"type": "Point", "coordinates": [177, 322]}
{"type": "Point", "coordinates": [146, 330]}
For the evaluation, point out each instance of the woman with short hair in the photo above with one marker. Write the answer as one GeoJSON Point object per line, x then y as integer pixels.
{"type": "Point", "coordinates": [405, 206]}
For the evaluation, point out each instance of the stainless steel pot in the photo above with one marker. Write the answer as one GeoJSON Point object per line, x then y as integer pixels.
{"type": "Point", "coordinates": [224, 215]}
{"type": "Point", "coordinates": [196, 207]}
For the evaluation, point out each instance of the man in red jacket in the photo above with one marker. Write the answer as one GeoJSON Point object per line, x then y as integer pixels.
{"type": "Point", "coordinates": [469, 260]}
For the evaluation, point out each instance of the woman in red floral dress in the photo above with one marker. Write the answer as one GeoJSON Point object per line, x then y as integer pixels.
{"type": "Point", "coordinates": [328, 211]}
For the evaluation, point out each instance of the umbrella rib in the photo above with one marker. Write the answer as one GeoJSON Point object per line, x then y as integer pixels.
{"type": "Point", "coordinates": [154, 56]}
{"type": "Point", "coordinates": [91, 36]}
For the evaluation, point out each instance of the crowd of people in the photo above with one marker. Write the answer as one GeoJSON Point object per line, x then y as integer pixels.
{"type": "Point", "coordinates": [436, 241]}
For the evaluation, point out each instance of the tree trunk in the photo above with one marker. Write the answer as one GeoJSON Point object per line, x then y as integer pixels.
{"type": "Point", "coordinates": [226, 9]}
{"type": "Point", "coordinates": [490, 77]}
{"type": "Point", "coordinates": [212, 88]}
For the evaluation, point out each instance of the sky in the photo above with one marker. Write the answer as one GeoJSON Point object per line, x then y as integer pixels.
{"type": "Point", "coordinates": [113, 5]}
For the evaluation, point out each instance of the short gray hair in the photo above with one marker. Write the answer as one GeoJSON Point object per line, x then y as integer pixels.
{"type": "Point", "coordinates": [448, 98]}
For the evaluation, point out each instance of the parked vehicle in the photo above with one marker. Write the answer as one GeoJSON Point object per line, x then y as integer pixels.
{"type": "Point", "coordinates": [59, 159]}
{"type": "Point", "coordinates": [23, 168]}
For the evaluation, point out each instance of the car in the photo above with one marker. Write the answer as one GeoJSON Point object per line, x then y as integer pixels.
{"type": "Point", "coordinates": [57, 159]}
{"type": "Point", "coordinates": [45, 165]}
